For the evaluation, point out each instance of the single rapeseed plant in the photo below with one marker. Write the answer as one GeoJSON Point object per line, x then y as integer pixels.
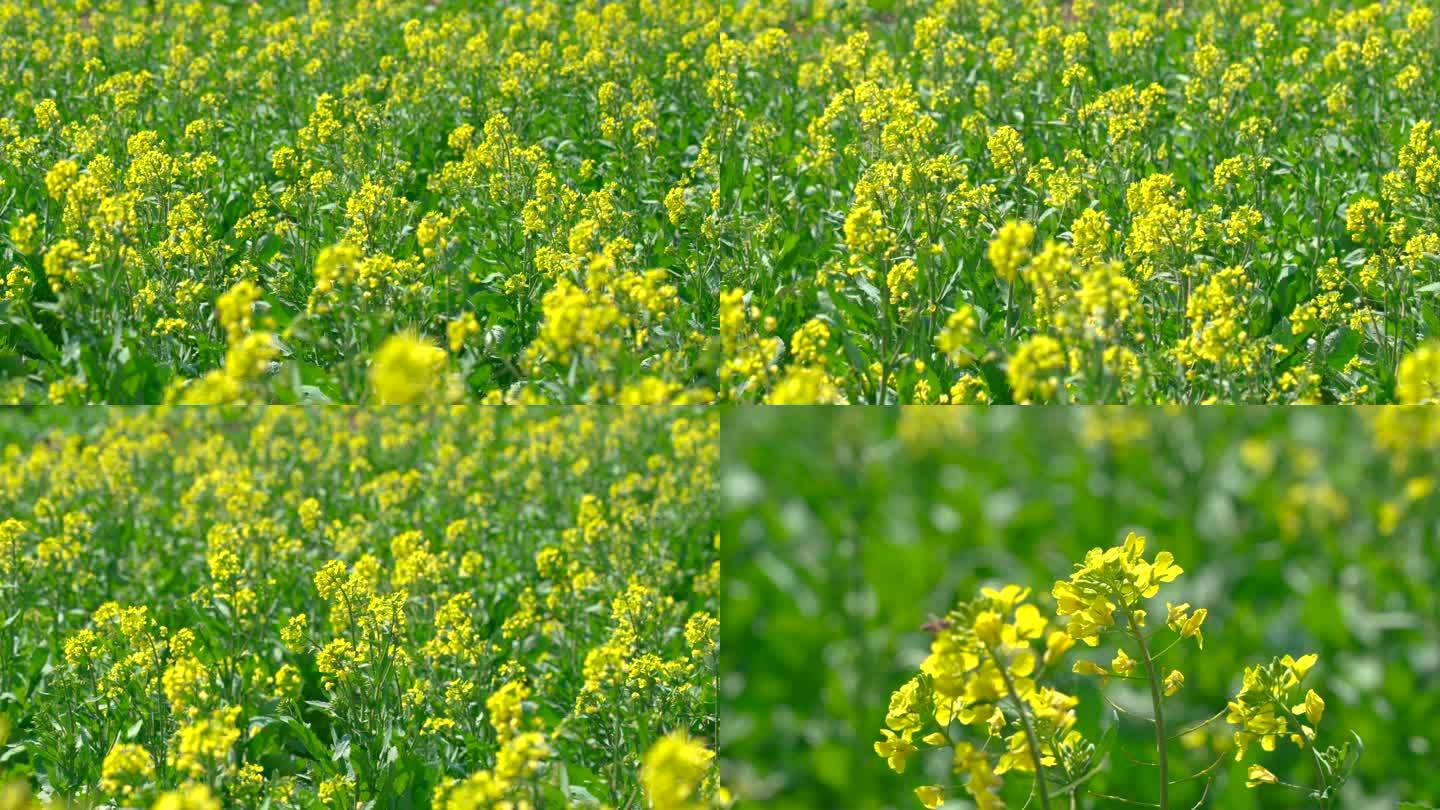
{"type": "Point", "coordinates": [987, 690]}
{"type": "Point", "coordinates": [1270, 708]}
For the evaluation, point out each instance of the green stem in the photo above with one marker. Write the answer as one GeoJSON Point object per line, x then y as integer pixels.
{"type": "Point", "coordinates": [1156, 699]}
{"type": "Point", "coordinates": [1320, 795]}
{"type": "Point", "coordinates": [1035, 754]}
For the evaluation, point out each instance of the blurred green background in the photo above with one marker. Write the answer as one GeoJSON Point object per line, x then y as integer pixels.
{"type": "Point", "coordinates": [1302, 530]}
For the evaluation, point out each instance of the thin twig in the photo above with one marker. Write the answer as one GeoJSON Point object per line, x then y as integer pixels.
{"type": "Point", "coordinates": [1208, 783]}
{"type": "Point", "coordinates": [1125, 711]}
{"type": "Point", "coordinates": [1122, 800]}
{"type": "Point", "coordinates": [1177, 735]}
{"type": "Point", "coordinates": [1212, 766]}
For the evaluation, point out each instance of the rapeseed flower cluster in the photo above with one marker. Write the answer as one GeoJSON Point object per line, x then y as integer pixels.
{"type": "Point", "coordinates": [1136, 202]}
{"type": "Point", "coordinates": [294, 201]}
{"type": "Point", "coordinates": [1269, 708]}
{"type": "Point", "coordinates": [302, 608]}
{"type": "Point", "coordinates": [539, 201]}
{"type": "Point", "coordinates": [987, 692]}
{"type": "Point", "coordinates": [982, 673]}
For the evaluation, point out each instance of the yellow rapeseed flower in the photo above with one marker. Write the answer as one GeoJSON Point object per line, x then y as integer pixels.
{"type": "Point", "coordinates": [405, 369]}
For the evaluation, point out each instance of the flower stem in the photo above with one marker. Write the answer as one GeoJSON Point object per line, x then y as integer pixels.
{"type": "Point", "coordinates": [1035, 755]}
{"type": "Point", "coordinates": [1156, 699]}
{"type": "Point", "coordinates": [1320, 774]}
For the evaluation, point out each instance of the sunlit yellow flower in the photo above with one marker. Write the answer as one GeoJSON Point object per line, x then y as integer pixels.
{"type": "Point", "coordinates": [405, 369]}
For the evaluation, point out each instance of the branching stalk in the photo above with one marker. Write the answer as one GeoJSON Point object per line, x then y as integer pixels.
{"type": "Point", "coordinates": [1321, 795]}
{"type": "Point", "coordinates": [1035, 754]}
{"type": "Point", "coordinates": [1156, 699]}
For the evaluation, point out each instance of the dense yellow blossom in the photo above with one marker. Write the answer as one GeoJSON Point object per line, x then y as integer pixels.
{"type": "Point", "coordinates": [1139, 202]}
{"type": "Point", "coordinates": [256, 606]}
{"type": "Point", "coordinates": [353, 171]}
